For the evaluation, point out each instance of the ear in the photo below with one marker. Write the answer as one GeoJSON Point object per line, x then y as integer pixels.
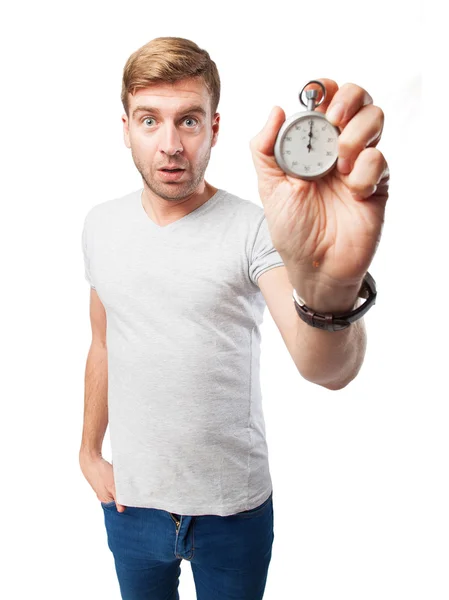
{"type": "Point", "coordinates": [126, 131]}
{"type": "Point", "coordinates": [215, 128]}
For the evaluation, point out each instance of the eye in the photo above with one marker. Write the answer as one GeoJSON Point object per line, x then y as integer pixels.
{"type": "Point", "coordinates": [185, 119]}
{"type": "Point", "coordinates": [190, 119]}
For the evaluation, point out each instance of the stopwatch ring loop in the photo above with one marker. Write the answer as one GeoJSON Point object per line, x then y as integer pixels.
{"type": "Point", "coordinates": [308, 83]}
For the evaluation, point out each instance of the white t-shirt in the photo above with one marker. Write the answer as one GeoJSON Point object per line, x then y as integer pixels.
{"type": "Point", "coordinates": [183, 312]}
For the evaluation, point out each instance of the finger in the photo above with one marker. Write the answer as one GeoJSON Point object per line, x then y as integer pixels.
{"type": "Point", "coordinates": [363, 130]}
{"type": "Point", "coordinates": [347, 101]}
{"type": "Point", "coordinates": [370, 170]}
{"type": "Point", "coordinates": [331, 88]}
{"type": "Point", "coordinates": [119, 507]}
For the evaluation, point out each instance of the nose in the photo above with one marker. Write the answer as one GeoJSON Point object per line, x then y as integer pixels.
{"type": "Point", "coordinates": [171, 141]}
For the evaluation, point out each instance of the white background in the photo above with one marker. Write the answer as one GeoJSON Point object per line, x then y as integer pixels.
{"type": "Point", "coordinates": [360, 474]}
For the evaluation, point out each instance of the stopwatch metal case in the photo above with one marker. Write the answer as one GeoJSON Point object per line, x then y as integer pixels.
{"type": "Point", "coordinates": [311, 95]}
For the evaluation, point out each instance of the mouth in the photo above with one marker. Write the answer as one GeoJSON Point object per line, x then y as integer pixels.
{"type": "Point", "coordinates": [171, 174]}
{"type": "Point", "coordinates": [175, 168]}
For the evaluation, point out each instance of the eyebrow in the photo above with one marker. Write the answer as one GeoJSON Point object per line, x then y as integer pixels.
{"type": "Point", "coordinates": [191, 109]}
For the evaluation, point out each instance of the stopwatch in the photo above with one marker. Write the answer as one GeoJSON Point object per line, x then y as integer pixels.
{"type": "Point", "coordinates": [307, 143]}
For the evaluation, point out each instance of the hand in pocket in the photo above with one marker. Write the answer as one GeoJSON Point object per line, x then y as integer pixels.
{"type": "Point", "coordinates": [99, 473]}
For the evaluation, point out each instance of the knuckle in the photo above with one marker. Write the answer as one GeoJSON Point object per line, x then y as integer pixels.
{"type": "Point", "coordinates": [348, 85]}
{"type": "Point", "coordinates": [345, 149]}
{"type": "Point", "coordinates": [374, 156]}
{"type": "Point", "coordinates": [355, 90]}
{"type": "Point", "coordinates": [357, 187]}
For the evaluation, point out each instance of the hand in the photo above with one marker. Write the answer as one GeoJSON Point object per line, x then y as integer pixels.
{"type": "Point", "coordinates": [327, 231]}
{"type": "Point", "coordinates": [99, 473]}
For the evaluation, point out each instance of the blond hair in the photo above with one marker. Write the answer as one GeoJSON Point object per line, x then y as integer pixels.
{"type": "Point", "coordinates": [167, 60]}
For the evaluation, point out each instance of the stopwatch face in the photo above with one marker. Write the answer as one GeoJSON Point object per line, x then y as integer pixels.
{"type": "Point", "coordinates": [307, 145]}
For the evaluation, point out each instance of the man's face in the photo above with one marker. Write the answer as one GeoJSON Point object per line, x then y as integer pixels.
{"type": "Point", "coordinates": [161, 121]}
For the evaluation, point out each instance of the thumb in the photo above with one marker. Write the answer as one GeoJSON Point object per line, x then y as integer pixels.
{"type": "Point", "coordinates": [264, 141]}
{"type": "Point", "coordinates": [119, 507]}
{"type": "Point", "coordinates": [268, 172]}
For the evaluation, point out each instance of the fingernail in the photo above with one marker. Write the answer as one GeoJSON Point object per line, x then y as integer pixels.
{"type": "Point", "coordinates": [335, 112]}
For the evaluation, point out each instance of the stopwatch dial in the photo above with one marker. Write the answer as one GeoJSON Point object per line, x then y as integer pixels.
{"type": "Point", "coordinates": [310, 146]}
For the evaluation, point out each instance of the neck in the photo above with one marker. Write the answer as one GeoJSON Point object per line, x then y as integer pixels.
{"type": "Point", "coordinates": [163, 212]}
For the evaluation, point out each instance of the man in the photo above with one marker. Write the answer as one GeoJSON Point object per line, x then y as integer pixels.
{"type": "Point", "coordinates": [180, 273]}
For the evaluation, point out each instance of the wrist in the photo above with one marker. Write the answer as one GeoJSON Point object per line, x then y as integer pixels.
{"type": "Point", "coordinates": [90, 454]}
{"type": "Point", "coordinates": [336, 302]}
{"type": "Point", "coordinates": [324, 294]}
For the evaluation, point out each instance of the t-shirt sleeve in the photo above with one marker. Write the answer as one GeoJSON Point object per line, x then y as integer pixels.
{"type": "Point", "coordinates": [85, 247]}
{"type": "Point", "coordinates": [264, 255]}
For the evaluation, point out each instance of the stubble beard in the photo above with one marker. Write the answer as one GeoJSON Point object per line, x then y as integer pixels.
{"type": "Point", "coordinates": [174, 190]}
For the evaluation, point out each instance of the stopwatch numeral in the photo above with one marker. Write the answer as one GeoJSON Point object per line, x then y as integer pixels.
{"type": "Point", "coordinates": [289, 139]}
{"type": "Point", "coordinates": [306, 167]}
{"type": "Point", "coordinates": [309, 122]}
{"type": "Point", "coordinates": [329, 154]}
{"type": "Point", "coordinates": [295, 162]}
{"type": "Point", "coordinates": [320, 164]}
{"type": "Point", "coordinates": [287, 152]}
{"type": "Point", "coordinates": [323, 128]}
{"type": "Point", "coordinates": [330, 139]}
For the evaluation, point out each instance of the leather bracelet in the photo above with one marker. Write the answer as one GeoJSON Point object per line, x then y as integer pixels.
{"type": "Point", "coordinates": [331, 322]}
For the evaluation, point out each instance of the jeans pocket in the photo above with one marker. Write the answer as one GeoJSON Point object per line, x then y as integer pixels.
{"type": "Point", "coordinates": [106, 504]}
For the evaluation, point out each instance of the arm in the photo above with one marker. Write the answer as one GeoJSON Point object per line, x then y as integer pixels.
{"type": "Point", "coordinates": [98, 471]}
{"type": "Point", "coordinates": [96, 384]}
{"type": "Point", "coordinates": [328, 358]}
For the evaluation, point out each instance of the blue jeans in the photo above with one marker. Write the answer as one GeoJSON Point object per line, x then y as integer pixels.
{"type": "Point", "coordinates": [229, 555]}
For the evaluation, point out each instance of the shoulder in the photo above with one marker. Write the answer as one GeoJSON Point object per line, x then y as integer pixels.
{"type": "Point", "coordinates": [108, 210]}
{"type": "Point", "coordinates": [244, 208]}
